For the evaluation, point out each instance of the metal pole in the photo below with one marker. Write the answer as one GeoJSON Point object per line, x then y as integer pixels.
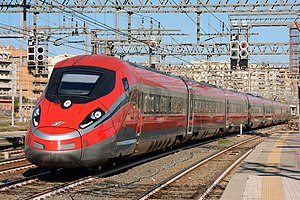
{"type": "Point", "coordinates": [21, 58]}
{"type": "Point", "coordinates": [150, 61]}
{"type": "Point", "coordinates": [86, 38]}
{"type": "Point", "coordinates": [241, 129]}
{"type": "Point", "coordinates": [299, 107]}
{"type": "Point", "coordinates": [117, 25]}
{"type": "Point", "coordinates": [198, 25]}
{"type": "Point", "coordinates": [13, 96]}
{"type": "Point", "coordinates": [20, 75]}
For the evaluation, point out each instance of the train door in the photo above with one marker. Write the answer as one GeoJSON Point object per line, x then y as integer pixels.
{"type": "Point", "coordinates": [249, 112]}
{"type": "Point", "coordinates": [190, 121]}
{"type": "Point", "coordinates": [226, 112]}
{"type": "Point", "coordinates": [137, 106]}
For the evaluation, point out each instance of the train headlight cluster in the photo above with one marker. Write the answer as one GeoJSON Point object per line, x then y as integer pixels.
{"type": "Point", "coordinates": [36, 116]}
{"type": "Point", "coordinates": [91, 118]}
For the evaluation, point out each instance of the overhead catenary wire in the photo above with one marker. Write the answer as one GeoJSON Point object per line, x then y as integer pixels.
{"type": "Point", "coordinates": [96, 23]}
{"type": "Point", "coordinates": [91, 20]}
{"type": "Point", "coordinates": [52, 41]}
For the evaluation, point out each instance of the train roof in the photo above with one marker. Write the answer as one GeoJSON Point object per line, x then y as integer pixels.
{"type": "Point", "coordinates": [151, 69]}
{"type": "Point", "coordinates": [171, 75]}
{"type": "Point", "coordinates": [79, 60]}
{"type": "Point", "coordinates": [92, 60]}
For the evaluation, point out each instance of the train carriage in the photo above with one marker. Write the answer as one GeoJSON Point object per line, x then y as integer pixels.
{"type": "Point", "coordinates": [281, 112]}
{"type": "Point", "coordinates": [208, 109]}
{"type": "Point", "coordinates": [163, 107]}
{"type": "Point", "coordinates": [236, 110]}
{"type": "Point", "coordinates": [269, 112]}
{"type": "Point", "coordinates": [256, 111]}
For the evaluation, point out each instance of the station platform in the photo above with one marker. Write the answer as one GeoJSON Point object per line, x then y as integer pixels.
{"type": "Point", "coordinates": [12, 139]}
{"type": "Point", "coordinates": [270, 172]}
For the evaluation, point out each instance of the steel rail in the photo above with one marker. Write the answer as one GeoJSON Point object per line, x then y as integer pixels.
{"type": "Point", "coordinates": [12, 160]}
{"type": "Point", "coordinates": [221, 177]}
{"type": "Point", "coordinates": [186, 170]}
{"type": "Point", "coordinates": [64, 187]}
{"type": "Point", "coordinates": [18, 168]}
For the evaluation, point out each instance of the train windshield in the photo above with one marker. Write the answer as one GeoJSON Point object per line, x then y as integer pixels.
{"type": "Point", "coordinates": [81, 84]}
{"type": "Point", "coordinates": [77, 84]}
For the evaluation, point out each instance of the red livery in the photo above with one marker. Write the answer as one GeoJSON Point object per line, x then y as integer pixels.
{"type": "Point", "coordinates": [98, 108]}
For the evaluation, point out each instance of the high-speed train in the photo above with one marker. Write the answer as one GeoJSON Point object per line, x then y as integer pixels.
{"type": "Point", "coordinates": [99, 108]}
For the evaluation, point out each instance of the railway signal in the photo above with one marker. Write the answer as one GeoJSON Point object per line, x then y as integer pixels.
{"type": "Point", "coordinates": [35, 57]}
{"type": "Point", "coordinates": [234, 54]}
{"type": "Point", "coordinates": [234, 49]}
{"type": "Point", "coordinates": [244, 49]}
{"type": "Point", "coordinates": [243, 62]}
{"type": "Point", "coordinates": [153, 45]}
{"type": "Point", "coordinates": [31, 56]}
{"type": "Point", "coordinates": [40, 54]}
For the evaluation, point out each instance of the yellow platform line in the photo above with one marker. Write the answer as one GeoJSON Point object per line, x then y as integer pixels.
{"type": "Point", "coordinates": [272, 185]}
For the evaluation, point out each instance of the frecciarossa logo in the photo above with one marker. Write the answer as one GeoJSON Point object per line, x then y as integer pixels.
{"type": "Point", "coordinates": [57, 123]}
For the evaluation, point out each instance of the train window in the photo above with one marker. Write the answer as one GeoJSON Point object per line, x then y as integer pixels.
{"type": "Point", "coordinates": [170, 105]}
{"type": "Point", "coordinates": [82, 84]}
{"type": "Point", "coordinates": [168, 102]}
{"type": "Point", "coordinates": [134, 96]}
{"type": "Point", "coordinates": [163, 104]}
{"type": "Point", "coordinates": [156, 104]}
{"type": "Point", "coordinates": [140, 100]}
{"type": "Point", "coordinates": [147, 102]}
{"type": "Point", "coordinates": [175, 105]}
{"type": "Point", "coordinates": [203, 107]}
{"type": "Point", "coordinates": [180, 105]}
{"type": "Point", "coordinates": [196, 106]}
{"type": "Point", "coordinates": [77, 83]}
{"type": "Point", "coordinates": [125, 83]}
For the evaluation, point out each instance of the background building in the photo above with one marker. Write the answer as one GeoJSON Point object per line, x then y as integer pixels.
{"type": "Point", "coordinates": [259, 79]}
{"type": "Point", "coordinates": [11, 76]}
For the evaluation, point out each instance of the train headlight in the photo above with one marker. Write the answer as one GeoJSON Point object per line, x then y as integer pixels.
{"type": "Point", "coordinates": [36, 116]}
{"type": "Point", "coordinates": [91, 118]}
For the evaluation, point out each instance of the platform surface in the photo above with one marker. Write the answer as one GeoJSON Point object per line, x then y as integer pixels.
{"type": "Point", "coordinates": [270, 172]}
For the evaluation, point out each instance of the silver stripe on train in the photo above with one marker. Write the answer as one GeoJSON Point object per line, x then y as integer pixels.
{"type": "Point", "coordinates": [126, 142]}
{"type": "Point", "coordinates": [47, 136]}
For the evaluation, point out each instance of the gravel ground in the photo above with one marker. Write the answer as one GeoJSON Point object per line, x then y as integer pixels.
{"type": "Point", "coordinates": [135, 181]}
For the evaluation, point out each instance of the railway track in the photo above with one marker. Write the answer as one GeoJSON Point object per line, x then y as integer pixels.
{"type": "Point", "coordinates": [11, 153]}
{"type": "Point", "coordinates": [13, 165]}
{"type": "Point", "coordinates": [189, 183]}
{"type": "Point", "coordinates": [51, 184]}
{"type": "Point", "coordinates": [14, 169]}
{"type": "Point", "coordinates": [51, 188]}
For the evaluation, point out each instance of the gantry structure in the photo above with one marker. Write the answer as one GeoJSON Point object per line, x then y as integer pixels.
{"type": "Point", "coordinates": [134, 41]}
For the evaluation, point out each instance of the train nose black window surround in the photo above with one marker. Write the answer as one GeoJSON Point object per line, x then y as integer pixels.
{"type": "Point", "coordinates": [80, 84]}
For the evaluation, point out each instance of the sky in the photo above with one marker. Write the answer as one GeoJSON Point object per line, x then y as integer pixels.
{"type": "Point", "coordinates": [186, 23]}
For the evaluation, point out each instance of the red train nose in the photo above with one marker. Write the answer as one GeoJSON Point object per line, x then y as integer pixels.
{"type": "Point", "coordinates": [55, 147]}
